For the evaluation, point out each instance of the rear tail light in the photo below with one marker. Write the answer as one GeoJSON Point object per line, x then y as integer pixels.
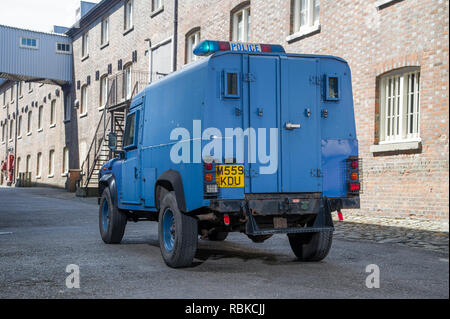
{"type": "Point", "coordinates": [226, 220]}
{"type": "Point", "coordinates": [354, 175]}
{"type": "Point", "coordinates": [211, 189]}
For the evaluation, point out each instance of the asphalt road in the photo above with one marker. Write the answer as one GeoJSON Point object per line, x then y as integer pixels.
{"type": "Point", "coordinates": [44, 230]}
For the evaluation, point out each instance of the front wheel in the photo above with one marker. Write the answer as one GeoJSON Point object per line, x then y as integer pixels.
{"type": "Point", "coordinates": [311, 246]}
{"type": "Point", "coordinates": [177, 232]}
{"type": "Point", "coordinates": [112, 220]}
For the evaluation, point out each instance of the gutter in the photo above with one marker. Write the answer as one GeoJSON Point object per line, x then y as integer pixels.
{"type": "Point", "coordinates": [175, 34]}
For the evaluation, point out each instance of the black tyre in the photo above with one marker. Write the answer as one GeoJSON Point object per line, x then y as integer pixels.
{"type": "Point", "coordinates": [311, 246]}
{"type": "Point", "coordinates": [218, 235]}
{"type": "Point", "coordinates": [112, 221]}
{"type": "Point", "coordinates": [178, 234]}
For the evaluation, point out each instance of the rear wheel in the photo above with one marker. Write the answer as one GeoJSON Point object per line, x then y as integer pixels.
{"type": "Point", "coordinates": [178, 234]}
{"type": "Point", "coordinates": [311, 246]}
{"type": "Point", "coordinates": [112, 221]}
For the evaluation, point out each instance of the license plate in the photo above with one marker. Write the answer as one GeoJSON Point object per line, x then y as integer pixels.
{"type": "Point", "coordinates": [230, 175]}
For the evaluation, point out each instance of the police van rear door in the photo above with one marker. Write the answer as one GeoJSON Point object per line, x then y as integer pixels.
{"type": "Point", "coordinates": [284, 95]}
{"type": "Point", "coordinates": [300, 125]}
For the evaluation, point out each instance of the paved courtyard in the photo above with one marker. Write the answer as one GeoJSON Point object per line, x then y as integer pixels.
{"type": "Point", "coordinates": [44, 230]}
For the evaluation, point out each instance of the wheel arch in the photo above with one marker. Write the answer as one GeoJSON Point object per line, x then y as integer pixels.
{"type": "Point", "coordinates": [108, 180]}
{"type": "Point", "coordinates": [172, 181]}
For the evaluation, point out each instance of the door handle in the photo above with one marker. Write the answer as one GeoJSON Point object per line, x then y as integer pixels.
{"type": "Point", "coordinates": [136, 175]}
{"type": "Point", "coordinates": [292, 126]}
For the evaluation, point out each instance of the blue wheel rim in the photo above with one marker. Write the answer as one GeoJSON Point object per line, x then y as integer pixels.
{"type": "Point", "coordinates": [105, 215]}
{"type": "Point", "coordinates": [168, 226]}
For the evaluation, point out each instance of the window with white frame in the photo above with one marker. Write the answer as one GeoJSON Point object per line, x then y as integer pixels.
{"type": "Point", "coordinates": [30, 86]}
{"type": "Point", "coordinates": [3, 132]}
{"type": "Point", "coordinates": [53, 113]}
{"type": "Point", "coordinates": [11, 130]}
{"type": "Point", "coordinates": [38, 165]}
{"type": "Point", "coordinates": [18, 166]}
{"type": "Point", "coordinates": [156, 5]}
{"type": "Point", "coordinates": [29, 122]}
{"type": "Point", "coordinates": [19, 126]}
{"type": "Point", "coordinates": [85, 45]}
{"type": "Point", "coordinates": [67, 107]}
{"type": "Point", "coordinates": [12, 93]}
{"type": "Point", "coordinates": [51, 163]}
{"type": "Point", "coordinates": [128, 15]}
{"type": "Point", "coordinates": [105, 31]}
{"type": "Point", "coordinates": [103, 90]}
{"type": "Point", "coordinates": [40, 117]}
{"type": "Point", "coordinates": [28, 164]}
{"type": "Point", "coordinates": [19, 87]}
{"type": "Point", "coordinates": [127, 81]}
{"type": "Point", "coordinates": [400, 106]}
{"type": "Point", "coordinates": [192, 39]}
{"type": "Point", "coordinates": [65, 160]}
{"type": "Point", "coordinates": [84, 100]}
{"type": "Point", "coordinates": [29, 43]}
{"type": "Point", "coordinates": [306, 15]}
{"type": "Point", "coordinates": [241, 25]}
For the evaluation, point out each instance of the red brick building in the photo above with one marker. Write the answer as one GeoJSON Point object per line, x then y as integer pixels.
{"type": "Point", "coordinates": [398, 52]}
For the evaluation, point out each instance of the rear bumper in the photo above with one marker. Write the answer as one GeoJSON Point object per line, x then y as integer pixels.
{"type": "Point", "coordinates": [284, 213]}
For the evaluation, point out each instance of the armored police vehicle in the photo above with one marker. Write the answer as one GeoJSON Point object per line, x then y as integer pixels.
{"type": "Point", "coordinates": [248, 139]}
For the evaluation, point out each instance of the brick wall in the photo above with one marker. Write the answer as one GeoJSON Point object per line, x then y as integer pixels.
{"type": "Point", "coordinates": [373, 41]}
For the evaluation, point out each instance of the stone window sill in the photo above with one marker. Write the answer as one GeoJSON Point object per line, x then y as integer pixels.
{"type": "Point", "coordinates": [104, 45]}
{"type": "Point", "coordinates": [66, 121]}
{"type": "Point", "coordinates": [85, 58]}
{"type": "Point", "coordinates": [396, 147]}
{"type": "Point", "coordinates": [128, 31]}
{"type": "Point", "coordinates": [19, 137]}
{"type": "Point", "coordinates": [38, 177]}
{"type": "Point", "coordinates": [40, 130]}
{"type": "Point", "coordinates": [64, 174]}
{"type": "Point", "coordinates": [381, 4]}
{"type": "Point", "coordinates": [156, 12]}
{"type": "Point", "coordinates": [306, 32]}
{"type": "Point", "coordinates": [29, 133]}
{"type": "Point", "coordinates": [53, 125]}
{"type": "Point", "coordinates": [83, 115]}
{"type": "Point", "coordinates": [50, 176]}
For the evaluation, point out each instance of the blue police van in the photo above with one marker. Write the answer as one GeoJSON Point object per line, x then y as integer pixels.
{"type": "Point", "coordinates": [248, 139]}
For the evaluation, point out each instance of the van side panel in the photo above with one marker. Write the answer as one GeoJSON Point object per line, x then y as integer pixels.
{"type": "Point", "coordinates": [173, 103]}
{"type": "Point", "coordinates": [338, 130]}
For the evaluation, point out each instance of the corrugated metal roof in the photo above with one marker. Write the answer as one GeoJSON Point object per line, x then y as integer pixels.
{"type": "Point", "coordinates": [43, 63]}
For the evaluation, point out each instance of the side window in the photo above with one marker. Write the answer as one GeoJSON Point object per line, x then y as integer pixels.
{"type": "Point", "coordinates": [231, 85]}
{"type": "Point", "coordinates": [130, 132]}
{"type": "Point", "coordinates": [332, 88]}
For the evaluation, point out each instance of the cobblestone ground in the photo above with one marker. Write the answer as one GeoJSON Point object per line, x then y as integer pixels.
{"type": "Point", "coordinates": [412, 232]}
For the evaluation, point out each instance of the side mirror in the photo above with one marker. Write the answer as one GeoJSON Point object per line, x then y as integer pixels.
{"type": "Point", "coordinates": [112, 141]}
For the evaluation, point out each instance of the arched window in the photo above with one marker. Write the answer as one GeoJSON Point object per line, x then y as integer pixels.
{"type": "Point", "coordinates": [11, 130]}
{"type": "Point", "coordinates": [19, 126]}
{"type": "Point", "coordinates": [53, 113]}
{"type": "Point", "coordinates": [84, 100]}
{"type": "Point", "coordinates": [103, 90]}
{"type": "Point", "coordinates": [66, 160]}
{"type": "Point", "coordinates": [18, 166]}
{"type": "Point", "coordinates": [192, 39]}
{"type": "Point", "coordinates": [40, 116]}
{"type": "Point", "coordinates": [51, 163]}
{"type": "Point", "coordinates": [127, 81]}
{"type": "Point", "coordinates": [28, 164]}
{"type": "Point", "coordinates": [29, 122]}
{"type": "Point", "coordinates": [39, 165]}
